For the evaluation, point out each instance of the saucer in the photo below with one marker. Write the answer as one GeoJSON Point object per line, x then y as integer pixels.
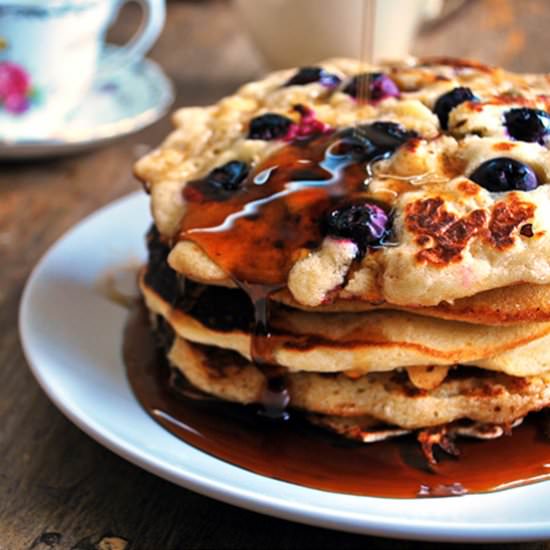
{"type": "Point", "coordinates": [119, 102]}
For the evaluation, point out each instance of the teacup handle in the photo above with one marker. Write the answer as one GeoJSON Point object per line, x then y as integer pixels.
{"type": "Point", "coordinates": [152, 22]}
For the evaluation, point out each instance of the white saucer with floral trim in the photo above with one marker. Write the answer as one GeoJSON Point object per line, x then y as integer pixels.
{"type": "Point", "coordinates": [118, 103]}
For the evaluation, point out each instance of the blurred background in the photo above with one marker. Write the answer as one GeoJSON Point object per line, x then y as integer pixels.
{"type": "Point", "coordinates": [207, 46]}
{"type": "Point", "coordinates": [58, 477]}
{"type": "Point", "coordinates": [213, 50]}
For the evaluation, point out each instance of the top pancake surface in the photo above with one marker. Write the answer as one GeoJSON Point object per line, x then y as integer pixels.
{"type": "Point", "coordinates": [451, 238]}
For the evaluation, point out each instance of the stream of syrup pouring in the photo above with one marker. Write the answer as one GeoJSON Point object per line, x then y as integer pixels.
{"type": "Point", "coordinates": [254, 237]}
{"type": "Point", "coordinates": [366, 53]}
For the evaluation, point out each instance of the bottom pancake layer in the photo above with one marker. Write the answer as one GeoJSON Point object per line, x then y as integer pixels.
{"type": "Point", "coordinates": [467, 393]}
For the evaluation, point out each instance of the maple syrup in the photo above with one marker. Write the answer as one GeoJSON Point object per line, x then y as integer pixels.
{"type": "Point", "coordinates": [297, 452]}
{"type": "Point", "coordinates": [366, 53]}
{"type": "Point", "coordinates": [256, 232]}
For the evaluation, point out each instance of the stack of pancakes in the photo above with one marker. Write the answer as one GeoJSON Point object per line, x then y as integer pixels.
{"type": "Point", "coordinates": [439, 323]}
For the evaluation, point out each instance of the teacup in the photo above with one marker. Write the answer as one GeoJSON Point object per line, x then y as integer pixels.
{"type": "Point", "coordinates": [300, 32]}
{"type": "Point", "coordinates": [49, 56]}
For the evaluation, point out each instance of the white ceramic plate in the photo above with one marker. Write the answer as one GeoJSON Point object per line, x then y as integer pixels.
{"type": "Point", "coordinates": [72, 339]}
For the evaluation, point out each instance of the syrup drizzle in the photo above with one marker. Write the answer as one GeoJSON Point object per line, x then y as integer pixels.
{"type": "Point", "coordinates": [256, 233]}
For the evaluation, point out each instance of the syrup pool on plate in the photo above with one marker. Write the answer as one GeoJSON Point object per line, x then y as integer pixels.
{"type": "Point", "coordinates": [296, 452]}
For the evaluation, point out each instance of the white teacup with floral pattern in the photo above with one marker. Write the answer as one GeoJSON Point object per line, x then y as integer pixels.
{"type": "Point", "coordinates": [49, 55]}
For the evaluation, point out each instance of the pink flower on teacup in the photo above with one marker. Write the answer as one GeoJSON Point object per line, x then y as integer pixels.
{"type": "Point", "coordinates": [15, 87]}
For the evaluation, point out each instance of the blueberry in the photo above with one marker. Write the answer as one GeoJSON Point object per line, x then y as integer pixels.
{"type": "Point", "coordinates": [307, 75]}
{"type": "Point", "coordinates": [387, 135]}
{"type": "Point", "coordinates": [505, 174]}
{"type": "Point", "coordinates": [377, 86]}
{"type": "Point", "coordinates": [372, 141]}
{"type": "Point", "coordinates": [269, 126]}
{"type": "Point", "coordinates": [228, 177]}
{"type": "Point", "coordinates": [527, 124]}
{"type": "Point", "coordinates": [364, 223]}
{"type": "Point", "coordinates": [447, 102]}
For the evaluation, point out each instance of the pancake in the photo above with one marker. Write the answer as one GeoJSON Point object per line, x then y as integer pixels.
{"type": "Point", "coordinates": [385, 260]}
{"type": "Point", "coordinates": [470, 393]}
{"type": "Point", "coordinates": [447, 232]}
{"type": "Point", "coordinates": [511, 305]}
{"type": "Point", "coordinates": [365, 342]}
{"type": "Point", "coordinates": [502, 306]}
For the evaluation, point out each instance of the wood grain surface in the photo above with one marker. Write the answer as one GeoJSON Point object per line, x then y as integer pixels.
{"type": "Point", "coordinates": [59, 489]}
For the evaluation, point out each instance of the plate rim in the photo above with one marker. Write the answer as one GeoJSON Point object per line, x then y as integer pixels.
{"type": "Point", "coordinates": [362, 522]}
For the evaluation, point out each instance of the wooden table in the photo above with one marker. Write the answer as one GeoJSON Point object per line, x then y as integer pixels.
{"type": "Point", "coordinates": [59, 489]}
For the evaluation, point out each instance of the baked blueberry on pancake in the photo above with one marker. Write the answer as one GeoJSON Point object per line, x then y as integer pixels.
{"type": "Point", "coordinates": [379, 263]}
